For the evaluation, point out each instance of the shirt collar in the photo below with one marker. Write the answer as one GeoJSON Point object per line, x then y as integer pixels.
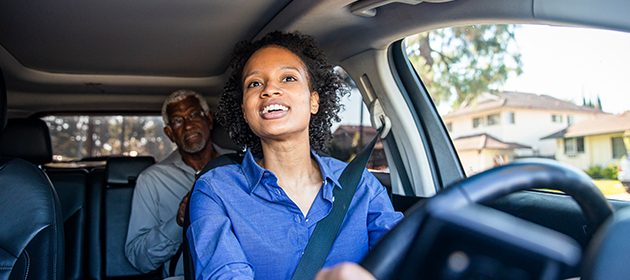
{"type": "Point", "coordinates": [254, 173]}
{"type": "Point", "coordinates": [175, 158]}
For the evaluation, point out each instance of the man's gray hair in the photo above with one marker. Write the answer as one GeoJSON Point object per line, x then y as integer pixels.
{"type": "Point", "coordinates": [179, 96]}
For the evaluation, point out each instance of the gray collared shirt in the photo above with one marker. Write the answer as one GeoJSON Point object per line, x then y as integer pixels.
{"type": "Point", "coordinates": [154, 236]}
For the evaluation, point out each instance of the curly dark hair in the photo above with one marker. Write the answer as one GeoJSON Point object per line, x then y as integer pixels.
{"type": "Point", "coordinates": [321, 76]}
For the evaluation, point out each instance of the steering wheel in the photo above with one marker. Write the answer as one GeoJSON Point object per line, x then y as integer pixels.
{"type": "Point", "coordinates": [452, 236]}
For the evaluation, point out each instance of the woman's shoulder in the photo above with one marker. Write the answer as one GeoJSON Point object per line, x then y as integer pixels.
{"type": "Point", "coordinates": [225, 175]}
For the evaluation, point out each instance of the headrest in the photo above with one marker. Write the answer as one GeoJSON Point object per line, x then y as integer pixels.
{"type": "Point", "coordinates": [125, 170]}
{"type": "Point", "coordinates": [3, 103]}
{"type": "Point", "coordinates": [28, 139]}
{"type": "Point", "coordinates": [221, 138]}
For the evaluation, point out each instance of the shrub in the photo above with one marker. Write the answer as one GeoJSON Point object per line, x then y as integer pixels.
{"type": "Point", "coordinates": [598, 172]}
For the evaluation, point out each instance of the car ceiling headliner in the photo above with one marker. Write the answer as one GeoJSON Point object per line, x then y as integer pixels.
{"type": "Point", "coordinates": [121, 55]}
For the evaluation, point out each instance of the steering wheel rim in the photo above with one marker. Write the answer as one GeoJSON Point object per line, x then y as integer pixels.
{"type": "Point", "coordinates": [387, 257]}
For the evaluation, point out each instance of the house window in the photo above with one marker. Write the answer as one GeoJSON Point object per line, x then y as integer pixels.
{"type": "Point", "coordinates": [449, 127]}
{"type": "Point", "coordinates": [477, 122]}
{"type": "Point", "coordinates": [509, 117]}
{"type": "Point", "coordinates": [556, 118]}
{"type": "Point", "coordinates": [574, 145]}
{"type": "Point", "coordinates": [494, 119]}
{"type": "Point", "coordinates": [618, 148]}
{"type": "Point", "coordinates": [569, 120]}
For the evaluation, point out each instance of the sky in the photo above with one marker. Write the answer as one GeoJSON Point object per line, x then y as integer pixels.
{"type": "Point", "coordinates": [568, 63]}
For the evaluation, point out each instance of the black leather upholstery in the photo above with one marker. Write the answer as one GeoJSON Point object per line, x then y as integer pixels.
{"type": "Point", "coordinates": [95, 220]}
{"type": "Point", "coordinates": [31, 231]}
{"type": "Point", "coordinates": [28, 139]}
{"type": "Point", "coordinates": [121, 174]}
{"type": "Point", "coordinates": [3, 103]}
{"type": "Point", "coordinates": [122, 171]}
{"type": "Point", "coordinates": [71, 189]}
{"type": "Point", "coordinates": [32, 242]}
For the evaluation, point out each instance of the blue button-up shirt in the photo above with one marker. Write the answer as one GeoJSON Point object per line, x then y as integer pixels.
{"type": "Point", "coordinates": [244, 226]}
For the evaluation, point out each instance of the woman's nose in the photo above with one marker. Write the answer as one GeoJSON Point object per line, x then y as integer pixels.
{"type": "Point", "coordinates": [271, 89]}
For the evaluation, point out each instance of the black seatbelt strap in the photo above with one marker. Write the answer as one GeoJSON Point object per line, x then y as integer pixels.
{"type": "Point", "coordinates": [174, 259]}
{"type": "Point", "coordinates": [327, 229]}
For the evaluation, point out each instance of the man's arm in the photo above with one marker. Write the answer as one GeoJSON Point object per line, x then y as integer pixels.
{"type": "Point", "coordinates": [150, 241]}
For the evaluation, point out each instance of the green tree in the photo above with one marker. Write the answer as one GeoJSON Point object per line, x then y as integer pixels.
{"type": "Point", "coordinates": [463, 62]}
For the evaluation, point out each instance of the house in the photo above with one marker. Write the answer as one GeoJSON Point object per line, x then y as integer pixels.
{"type": "Point", "coordinates": [596, 141]}
{"type": "Point", "coordinates": [515, 121]}
{"type": "Point", "coordinates": [482, 151]}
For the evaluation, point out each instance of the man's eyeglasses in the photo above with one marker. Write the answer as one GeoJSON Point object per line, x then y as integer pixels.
{"type": "Point", "coordinates": [193, 117]}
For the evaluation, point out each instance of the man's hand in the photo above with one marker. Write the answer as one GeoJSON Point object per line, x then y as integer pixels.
{"type": "Point", "coordinates": [344, 271]}
{"type": "Point", "coordinates": [181, 212]}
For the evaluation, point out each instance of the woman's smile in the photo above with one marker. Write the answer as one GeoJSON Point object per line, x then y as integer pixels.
{"type": "Point", "coordinates": [274, 111]}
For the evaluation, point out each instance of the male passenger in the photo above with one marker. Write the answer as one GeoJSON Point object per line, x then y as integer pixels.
{"type": "Point", "coordinates": [155, 232]}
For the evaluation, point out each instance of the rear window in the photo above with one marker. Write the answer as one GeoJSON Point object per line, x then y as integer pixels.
{"type": "Point", "coordinates": [89, 137]}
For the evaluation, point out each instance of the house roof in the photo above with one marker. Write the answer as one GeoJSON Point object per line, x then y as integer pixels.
{"type": "Point", "coordinates": [488, 102]}
{"type": "Point", "coordinates": [484, 141]}
{"type": "Point", "coordinates": [597, 125]}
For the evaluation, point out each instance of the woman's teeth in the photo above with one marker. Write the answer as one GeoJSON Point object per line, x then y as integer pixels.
{"type": "Point", "coordinates": [274, 107]}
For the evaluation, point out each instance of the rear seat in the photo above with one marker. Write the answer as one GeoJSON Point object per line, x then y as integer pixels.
{"type": "Point", "coordinates": [120, 175]}
{"type": "Point", "coordinates": [29, 139]}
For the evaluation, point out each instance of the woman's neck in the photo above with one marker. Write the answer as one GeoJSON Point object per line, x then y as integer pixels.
{"type": "Point", "coordinates": [298, 174]}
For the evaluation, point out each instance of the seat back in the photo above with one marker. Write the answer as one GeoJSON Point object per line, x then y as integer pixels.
{"type": "Point", "coordinates": [31, 231]}
{"type": "Point", "coordinates": [120, 176]}
{"type": "Point", "coordinates": [29, 139]}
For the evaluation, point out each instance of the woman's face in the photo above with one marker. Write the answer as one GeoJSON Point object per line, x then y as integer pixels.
{"type": "Point", "coordinates": [277, 101]}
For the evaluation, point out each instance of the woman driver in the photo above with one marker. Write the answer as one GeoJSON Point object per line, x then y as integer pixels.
{"type": "Point", "coordinates": [254, 219]}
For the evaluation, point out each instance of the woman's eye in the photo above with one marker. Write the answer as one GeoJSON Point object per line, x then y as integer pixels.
{"type": "Point", "coordinates": [253, 84]}
{"type": "Point", "coordinates": [289, 79]}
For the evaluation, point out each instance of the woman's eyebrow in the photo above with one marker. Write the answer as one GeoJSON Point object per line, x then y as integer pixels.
{"type": "Point", "coordinates": [281, 68]}
{"type": "Point", "coordinates": [250, 74]}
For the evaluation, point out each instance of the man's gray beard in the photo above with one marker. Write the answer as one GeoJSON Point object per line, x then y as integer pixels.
{"type": "Point", "coordinates": [196, 148]}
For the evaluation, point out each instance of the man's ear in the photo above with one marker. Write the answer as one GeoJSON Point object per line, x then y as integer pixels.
{"type": "Point", "coordinates": [210, 117]}
{"type": "Point", "coordinates": [314, 102]}
{"type": "Point", "coordinates": [169, 133]}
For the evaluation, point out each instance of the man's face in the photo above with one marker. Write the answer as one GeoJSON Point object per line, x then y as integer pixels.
{"type": "Point", "coordinates": [188, 127]}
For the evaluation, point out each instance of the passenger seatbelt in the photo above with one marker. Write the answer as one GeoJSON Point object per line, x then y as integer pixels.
{"type": "Point", "coordinates": [327, 229]}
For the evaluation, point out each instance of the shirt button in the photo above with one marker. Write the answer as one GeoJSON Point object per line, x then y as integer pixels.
{"type": "Point", "coordinates": [279, 192]}
{"type": "Point", "coordinates": [297, 218]}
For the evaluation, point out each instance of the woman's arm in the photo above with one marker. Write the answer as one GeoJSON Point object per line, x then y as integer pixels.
{"type": "Point", "coordinates": [381, 215]}
{"type": "Point", "coordinates": [215, 250]}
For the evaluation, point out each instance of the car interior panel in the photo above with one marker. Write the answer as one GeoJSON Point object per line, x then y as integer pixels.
{"type": "Point", "coordinates": [82, 86]}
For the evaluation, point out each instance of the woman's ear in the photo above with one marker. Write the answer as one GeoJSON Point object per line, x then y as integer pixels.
{"type": "Point", "coordinates": [243, 111]}
{"type": "Point", "coordinates": [314, 102]}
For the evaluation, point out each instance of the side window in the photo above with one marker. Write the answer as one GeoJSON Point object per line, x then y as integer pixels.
{"type": "Point", "coordinates": [81, 137]}
{"type": "Point", "coordinates": [509, 117]}
{"type": "Point", "coordinates": [519, 91]}
{"type": "Point", "coordinates": [477, 122]}
{"type": "Point", "coordinates": [494, 119]}
{"type": "Point", "coordinates": [355, 131]}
